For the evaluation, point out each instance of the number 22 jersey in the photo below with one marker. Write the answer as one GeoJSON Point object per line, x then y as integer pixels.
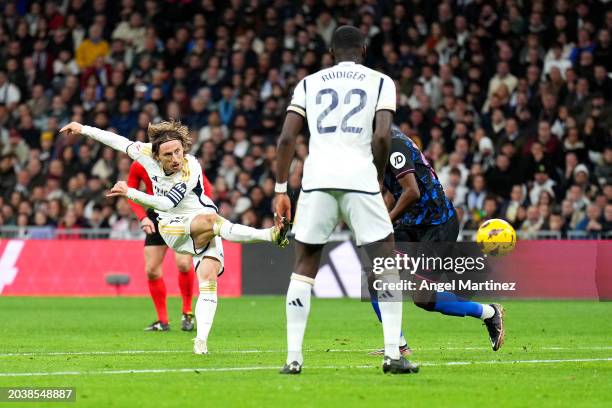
{"type": "Point", "coordinates": [339, 104]}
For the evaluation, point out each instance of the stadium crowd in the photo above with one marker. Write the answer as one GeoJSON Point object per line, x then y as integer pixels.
{"type": "Point", "coordinates": [510, 101]}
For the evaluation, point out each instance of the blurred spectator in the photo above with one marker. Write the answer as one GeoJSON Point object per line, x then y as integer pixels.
{"type": "Point", "coordinates": [9, 92]}
{"type": "Point", "coordinates": [556, 223]}
{"type": "Point", "coordinates": [533, 222]}
{"type": "Point", "coordinates": [607, 219]}
{"type": "Point", "coordinates": [592, 222]}
{"type": "Point", "coordinates": [93, 47]}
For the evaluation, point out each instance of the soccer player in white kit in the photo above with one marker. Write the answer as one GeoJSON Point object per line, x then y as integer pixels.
{"type": "Point", "coordinates": [188, 220]}
{"type": "Point", "coordinates": [349, 109]}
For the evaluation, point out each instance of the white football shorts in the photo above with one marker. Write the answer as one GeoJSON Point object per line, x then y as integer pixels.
{"type": "Point", "coordinates": [176, 232]}
{"type": "Point", "coordinates": [318, 213]}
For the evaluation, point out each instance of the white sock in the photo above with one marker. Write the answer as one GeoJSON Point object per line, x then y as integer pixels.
{"type": "Point", "coordinates": [403, 341]}
{"type": "Point", "coordinates": [298, 307]}
{"type": "Point", "coordinates": [206, 306]}
{"type": "Point", "coordinates": [391, 312]}
{"type": "Point", "coordinates": [487, 312]}
{"type": "Point", "coordinates": [241, 233]}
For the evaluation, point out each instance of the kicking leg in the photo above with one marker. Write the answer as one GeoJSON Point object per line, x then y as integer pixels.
{"type": "Point", "coordinates": [186, 276]}
{"type": "Point", "coordinates": [206, 226]}
{"type": "Point", "coordinates": [450, 304]}
{"type": "Point", "coordinates": [154, 257]}
{"type": "Point", "coordinates": [206, 306]}
{"type": "Point", "coordinates": [298, 303]}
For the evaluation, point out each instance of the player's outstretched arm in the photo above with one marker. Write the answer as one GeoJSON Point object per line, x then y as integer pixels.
{"type": "Point", "coordinates": [161, 203]}
{"type": "Point", "coordinates": [284, 155]}
{"type": "Point", "coordinates": [110, 139]}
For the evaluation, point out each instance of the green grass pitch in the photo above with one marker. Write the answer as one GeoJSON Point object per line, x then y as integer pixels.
{"type": "Point", "coordinates": [556, 354]}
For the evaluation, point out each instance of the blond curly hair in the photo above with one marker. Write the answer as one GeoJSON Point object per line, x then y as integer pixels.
{"type": "Point", "coordinates": [166, 131]}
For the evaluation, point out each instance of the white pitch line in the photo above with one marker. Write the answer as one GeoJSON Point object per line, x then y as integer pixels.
{"type": "Point", "coordinates": [442, 348]}
{"type": "Point", "coordinates": [554, 361]}
{"type": "Point", "coordinates": [254, 368]}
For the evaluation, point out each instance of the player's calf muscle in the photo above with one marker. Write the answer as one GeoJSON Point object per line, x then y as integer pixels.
{"type": "Point", "coordinates": [308, 258]}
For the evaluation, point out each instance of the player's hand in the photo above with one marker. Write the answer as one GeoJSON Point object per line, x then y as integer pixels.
{"type": "Point", "coordinates": [72, 129]}
{"type": "Point", "coordinates": [282, 208]}
{"type": "Point", "coordinates": [147, 226]}
{"type": "Point", "coordinates": [119, 189]}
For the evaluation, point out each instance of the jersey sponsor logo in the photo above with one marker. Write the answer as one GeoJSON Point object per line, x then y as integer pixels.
{"type": "Point", "coordinates": [397, 160]}
{"type": "Point", "coordinates": [160, 191]}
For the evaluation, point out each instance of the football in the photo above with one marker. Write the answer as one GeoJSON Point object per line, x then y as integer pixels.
{"type": "Point", "coordinates": [496, 237]}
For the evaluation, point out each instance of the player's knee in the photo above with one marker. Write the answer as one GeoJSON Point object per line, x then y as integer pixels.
{"type": "Point", "coordinates": [183, 266]}
{"type": "Point", "coordinates": [429, 306]}
{"type": "Point", "coordinates": [153, 272]}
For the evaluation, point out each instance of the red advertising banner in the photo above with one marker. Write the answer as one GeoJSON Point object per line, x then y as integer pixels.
{"type": "Point", "coordinates": [575, 269]}
{"type": "Point", "coordinates": [80, 268]}
{"type": "Point", "coordinates": [541, 269]}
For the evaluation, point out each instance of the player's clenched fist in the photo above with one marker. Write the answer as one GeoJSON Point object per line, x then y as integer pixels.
{"type": "Point", "coordinates": [119, 189]}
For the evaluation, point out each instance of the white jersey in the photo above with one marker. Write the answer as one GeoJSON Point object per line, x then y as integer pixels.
{"type": "Point", "coordinates": [185, 188]}
{"type": "Point", "coordinates": [339, 104]}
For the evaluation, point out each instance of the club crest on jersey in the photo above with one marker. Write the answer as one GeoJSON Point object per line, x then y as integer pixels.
{"type": "Point", "coordinates": [397, 160]}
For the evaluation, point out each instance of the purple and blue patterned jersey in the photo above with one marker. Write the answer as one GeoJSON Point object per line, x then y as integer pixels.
{"type": "Point", "coordinates": [432, 208]}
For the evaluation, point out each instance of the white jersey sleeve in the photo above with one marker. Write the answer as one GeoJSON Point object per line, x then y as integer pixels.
{"type": "Point", "coordinates": [298, 101]}
{"type": "Point", "coordinates": [138, 151]}
{"type": "Point", "coordinates": [160, 203]}
{"type": "Point", "coordinates": [110, 139]}
{"type": "Point", "coordinates": [387, 95]}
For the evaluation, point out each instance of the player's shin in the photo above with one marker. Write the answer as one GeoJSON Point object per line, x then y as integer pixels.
{"type": "Point", "coordinates": [298, 308]}
{"type": "Point", "coordinates": [157, 289]}
{"type": "Point", "coordinates": [390, 304]}
{"type": "Point", "coordinates": [206, 306]}
{"type": "Point", "coordinates": [452, 305]}
{"type": "Point", "coordinates": [376, 307]}
{"type": "Point", "coordinates": [240, 233]}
